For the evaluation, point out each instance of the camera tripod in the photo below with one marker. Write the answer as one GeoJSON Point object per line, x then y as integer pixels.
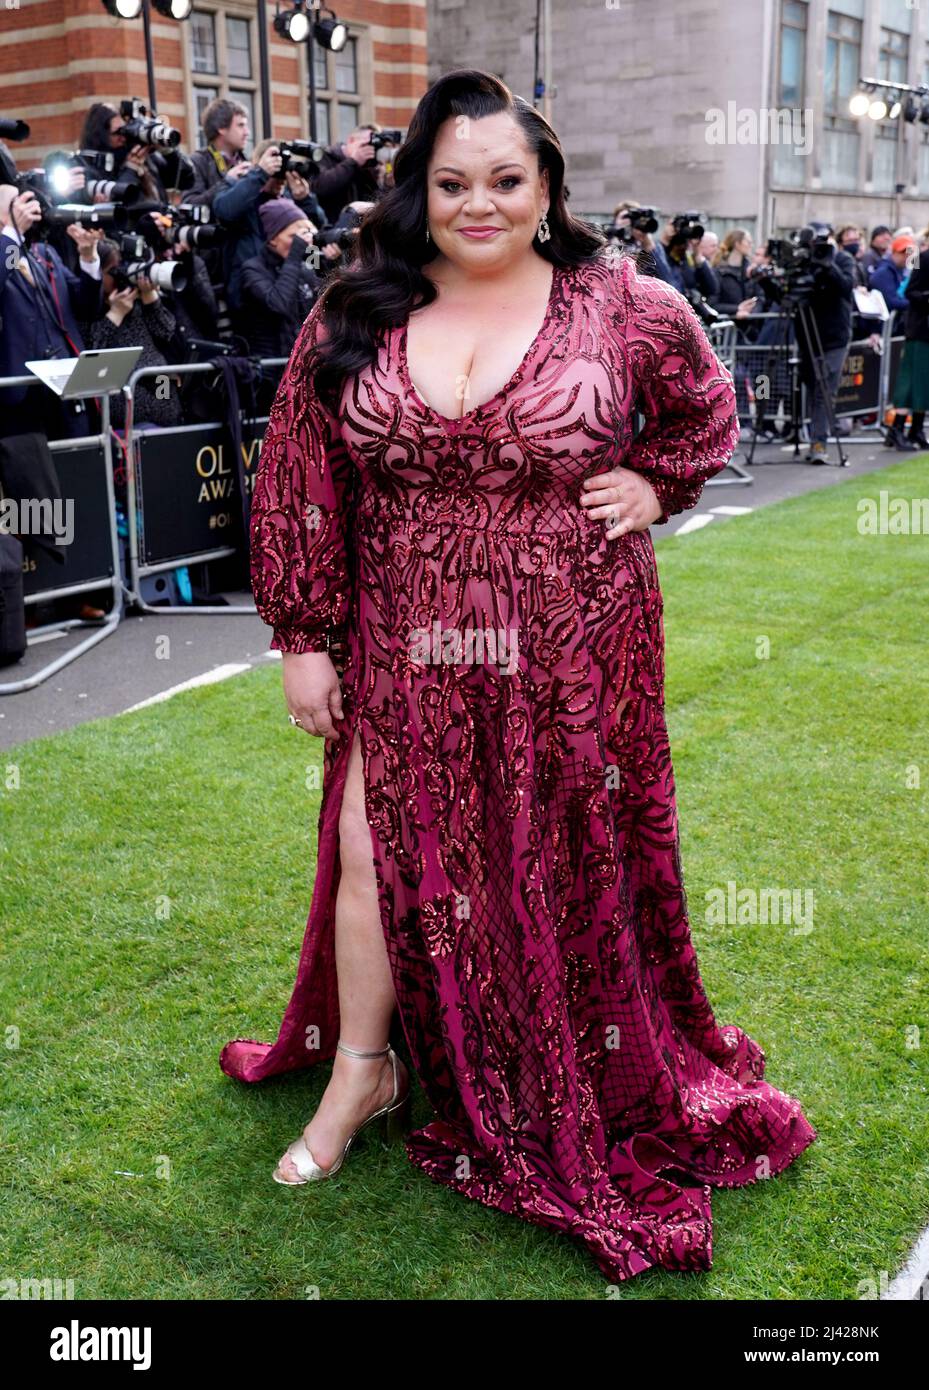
{"type": "Point", "coordinates": [794, 312]}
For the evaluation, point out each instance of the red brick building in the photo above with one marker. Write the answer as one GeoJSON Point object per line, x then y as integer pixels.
{"type": "Point", "coordinates": [57, 58]}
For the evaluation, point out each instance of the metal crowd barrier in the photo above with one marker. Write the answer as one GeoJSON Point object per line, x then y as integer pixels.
{"type": "Point", "coordinates": [138, 442]}
{"type": "Point", "coordinates": [106, 570]}
{"type": "Point", "coordinates": [723, 336]}
{"type": "Point", "coordinates": [864, 388]}
{"type": "Point", "coordinates": [60, 448]}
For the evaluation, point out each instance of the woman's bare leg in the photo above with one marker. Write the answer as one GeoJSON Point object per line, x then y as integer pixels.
{"type": "Point", "coordinates": [367, 999]}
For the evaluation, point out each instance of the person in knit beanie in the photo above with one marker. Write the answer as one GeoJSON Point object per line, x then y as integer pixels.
{"type": "Point", "coordinates": [280, 284]}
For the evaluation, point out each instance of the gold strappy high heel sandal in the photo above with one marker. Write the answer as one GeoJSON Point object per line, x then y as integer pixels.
{"type": "Point", "coordinates": [395, 1116]}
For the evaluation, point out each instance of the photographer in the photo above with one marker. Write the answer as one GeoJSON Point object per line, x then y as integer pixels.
{"type": "Point", "coordinates": [137, 317]}
{"type": "Point", "coordinates": [348, 173]}
{"type": "Point", "coordinates": [41, 301]}
{"type": "Point", "coordinates": [225, 125]}
{"type": "Point", "coordinates": [279, 285]}
{"type": "Point", "coordinates": [132, 164]}
{"type": "Point", "coordinates": [236, 206]}
{"type": "Point", "coordinates": [679, 258]}
{"type": "Point", "coordinates": [830, 308]}
{"type": "Point", "coordinates": [632, 229]}
{"type": "Point", "coordinates": [194, 306]}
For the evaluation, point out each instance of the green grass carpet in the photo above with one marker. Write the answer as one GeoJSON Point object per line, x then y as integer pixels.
{"type": "Point", "coordinates": [155, 875]}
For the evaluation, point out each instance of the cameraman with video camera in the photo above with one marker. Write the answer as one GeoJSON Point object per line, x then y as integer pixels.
{"type": "Point", "coordinates": [236, 207]}
{"type": "Point", "coordinates": [830, 299]}
{"type": "Point", "coordinates": [41, 301]}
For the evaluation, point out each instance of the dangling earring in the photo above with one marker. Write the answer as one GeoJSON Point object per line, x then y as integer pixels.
{"type": "Point", "coordinates": [427, 231]}
{"type": "Point", "coordinates": [544, 232]}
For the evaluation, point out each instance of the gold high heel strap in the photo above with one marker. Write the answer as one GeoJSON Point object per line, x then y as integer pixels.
{"type": "Point", "coordinates": [381, 1052]}
{"type": "Point", "coordinates": [353, 1052]}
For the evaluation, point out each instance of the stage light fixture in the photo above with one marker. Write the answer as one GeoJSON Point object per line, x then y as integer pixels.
{"type": "Point", "coordinates": [293, 24]}
{"type": "Point", "coordinates": [123, 9]}
{"type": "Point", "coordinates": [296, 25]}
{"type": "Point", "coordinates": [331, 33]}
{"type": "Point", "coordinates": [878, 109]}
{"type": "Point", "coordinates": [174, 9]}
{"type": "Point", "coordinates": [859, 104]}
{"type": "Point", "coordinates": [910, 108]}
{"type": "Point", "coordinates": [896, 107]}
{"type": "Point", "coordinates": [924, 112]}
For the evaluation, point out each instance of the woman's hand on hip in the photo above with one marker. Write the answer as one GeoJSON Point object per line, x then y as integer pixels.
{"type": "Point", "coordinates": [313, 693]}
{"type": "Point", "coordinates": [624, 494]}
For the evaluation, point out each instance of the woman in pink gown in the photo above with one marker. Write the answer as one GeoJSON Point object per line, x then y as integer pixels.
{"type": "Point", "coordinates": [521, 805]}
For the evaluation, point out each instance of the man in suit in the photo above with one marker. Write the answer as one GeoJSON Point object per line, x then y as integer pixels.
{"type": "Point", "coordinates": [40, 303]}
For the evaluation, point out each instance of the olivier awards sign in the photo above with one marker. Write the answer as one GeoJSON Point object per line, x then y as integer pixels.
{"type": "Point", "coordinates": [189, 489]}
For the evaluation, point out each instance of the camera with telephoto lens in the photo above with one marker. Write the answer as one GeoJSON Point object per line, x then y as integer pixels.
{"type": "Point", "coordinates": [38, 183]}
{"type": "Point", "coordinates": [381, 139]}
{"type": "Point", "coordinates": [688, 226]}
{"type": "Point", "coordinates": [190, 228]}
{"type": "Point", "coordinates": [142, 128]}
{"type": "Point", "coordinates": [637, 219]}
{"type": "Point", "coordinates": [137, 260]}
{"type": "Point", "coordinates": [167, 224]}
{"type": "Point", "coordinates": [343, 232]}
{"type": "Point", "coordinates": [13, 129]}
{"type": "Point", "coordinates": [59, 165]}
{"type": "Point", "coordinates": [302, 157]}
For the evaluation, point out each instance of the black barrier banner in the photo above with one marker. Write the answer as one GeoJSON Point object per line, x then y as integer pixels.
{"type": "Point", "coordinates": [85, 509]}
{"type": "Point", "coordinates": [187, 490]}
{"type": "Point", "coordinates": [860, 383]}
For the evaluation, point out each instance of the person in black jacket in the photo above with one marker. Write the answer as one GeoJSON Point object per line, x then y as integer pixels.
{"type": "Point", "coordinates": [732, 264]}
{"type": "Point", "coordinates": [194, 307]}
{"type": "Point", "coordinates": [849, 239]}
{"type": "Point", "coordinates": [346, 175]}
{"type": "Point", "coordinates": [682, 263]}
{"type": "Point", "coordinates": [830, 307]}
{"type": "Point", "coordinates": [236, 207]}
{"type": "Point", "coordinates": [41, 302]}
{"type": "Point", "coordinates": [279, 285]}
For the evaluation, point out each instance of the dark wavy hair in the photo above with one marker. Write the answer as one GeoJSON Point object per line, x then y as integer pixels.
{"type": "Point", "coordinates": [385, 280]}
{"type": "Point", "coordinates": [95, 133]}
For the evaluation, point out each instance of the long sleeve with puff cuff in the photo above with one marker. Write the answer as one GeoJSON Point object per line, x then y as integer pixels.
{"type": "Point", "coordinates": [300, 528]}
{"type": "Point", "coordinates": [684, 392]}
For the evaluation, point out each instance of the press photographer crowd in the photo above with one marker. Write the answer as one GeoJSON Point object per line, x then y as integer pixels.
{"type": "Point", "coordinates": [129, 241]}
{"type": "Point", "coordinates": [216, 257]}
{"type": "Point", "coordinates": [808, 296]}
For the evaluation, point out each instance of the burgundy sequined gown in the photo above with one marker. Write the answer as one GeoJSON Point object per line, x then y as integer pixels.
{"type": "Point", "coordinates": [522, 811]}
